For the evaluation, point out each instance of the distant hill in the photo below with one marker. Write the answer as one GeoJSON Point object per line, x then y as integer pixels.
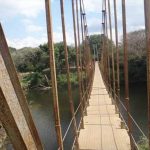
{"type": "Point", "coordinates": [26, 48]}
{"type": "Point", "coordinates": [11, 49]}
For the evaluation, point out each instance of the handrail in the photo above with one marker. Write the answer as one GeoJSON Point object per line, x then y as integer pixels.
{"type": "Point", "coordinates": [133, 120]}
{"type": "Point", "coordinates": [135, 144]}
{"type": "Point", "coordinates": [131, 116]}
{"type": "Point", "coordinates": [122, 117]}
{"type": "Point", "coordinates": [77, 110]}
{"type": "Point", "coordinates": [64, 137]}
{"type": "Point", "coordinates": [87, 92]}
{"type": "Point", "coordinates": [78, 127]}
{"type": "Point", "coordinates": [69, 126]}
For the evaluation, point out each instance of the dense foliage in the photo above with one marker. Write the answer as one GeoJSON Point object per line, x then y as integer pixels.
{"type": "Point", "coordinates": [136, 57]}
{"type": "Point", "coordinates": [35, 61]}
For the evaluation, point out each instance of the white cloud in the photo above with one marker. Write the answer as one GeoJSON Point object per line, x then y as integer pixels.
{"type": "Point", "coordinates": [27, 42]}
{"type": "Point", "coordinates": [30, 26]}
{"type": "Point", "coordinates": [30, 9]}
{"type": "Point", "coordinates": [94, 26]}
{"type": "Point", "coordinates": [134, 10]}
{"type": "Point", "coordinates": [31, 41]}
{"type": "Point", "coordinates": [27, 8]}
{"type": "Point", "coordinates": [93, 5]}
{"type": "Point", "coordinates": [26, 21]}
{"type": "Point", "coordinates": [34, 28]}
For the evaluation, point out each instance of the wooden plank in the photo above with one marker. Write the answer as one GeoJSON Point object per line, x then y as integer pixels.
{"type": "Point", "coordinates": [108, 141]}
{"type": "Point", "coordinates": [93, 141]}
{"type": "Point", "coordinates": [102, 125]}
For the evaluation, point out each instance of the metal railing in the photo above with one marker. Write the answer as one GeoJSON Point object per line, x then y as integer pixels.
{"type": "Point", "coordinates": [86, 95]}
{"type": "Point", "coordinates": [122, 114]}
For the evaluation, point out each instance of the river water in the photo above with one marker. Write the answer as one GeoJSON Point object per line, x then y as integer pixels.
{"type": "Point", "coordinates": [41, 106]}
{"type": "Point", "coordinates": [138, 107]}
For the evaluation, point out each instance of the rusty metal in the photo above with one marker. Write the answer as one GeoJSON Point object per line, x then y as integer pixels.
{"type": "Point", "coordinates": [147, 32]}
{"type": "Point", "coordinates": [83, 43]}
{"type": "Point", "coordinates": [108, 58]}
{"type": "Point", "coordinates": [53, 74]}
{"type": "Point", "coordinates": [79, 50]}
{"type": "Point", "coordinates": [10, 125]}
{"type": "Point", "coordinates": [117, 54]}
{"type": "Point", "coordinates": [78, 31]}
{"type": "Point", "coordinates": [86, 58]}
{"type": "Point", "coordinates": [103, 34]}
{"type": "Point", "coordinates": [77, 63]}
{"type": "Point", "coordinates": [103, 40]}
{"type": "Point", "coordinates": [102, 52]}
{"type": "Point", "coordinates": [125, 46]}
{"type": "Point", "coordinates": [112, 50]}
{"type": "Point", "coordinates": [68, 72]}
{"type": "Point", "coordinates": [117, 49]}
{"type": "Point", "coordinates": [81, 21]}
{"type": "Point", "coordinates": [87, 54]}
{"type": "Point", "coordinates": [17, 87]}
{"type": "Point", "coordinates": [104, 44]}
{"type": "Point", "coordinates": [107, 50]}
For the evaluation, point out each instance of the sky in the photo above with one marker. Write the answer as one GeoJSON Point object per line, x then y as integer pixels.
{"type": "Point", "coordinates": [24, 21]}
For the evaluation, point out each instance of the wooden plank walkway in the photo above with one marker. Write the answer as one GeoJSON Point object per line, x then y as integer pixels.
{"type": "Point", "coordinates": [102, 129]}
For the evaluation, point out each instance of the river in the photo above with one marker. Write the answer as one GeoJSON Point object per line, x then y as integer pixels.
{"type": "Point", "coordinates": [41, 106]}
{"type": "Point", "coordinates": [138, 107]}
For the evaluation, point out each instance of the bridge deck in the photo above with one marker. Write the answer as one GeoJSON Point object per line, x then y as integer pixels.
{"type": "Point", "coordinates": [102, 130]}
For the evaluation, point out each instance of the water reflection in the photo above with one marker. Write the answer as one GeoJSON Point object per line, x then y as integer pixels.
{"type": "Point", "coordinates": [138, 107]}
{"type": "Point", "coordinates": [41, 106]}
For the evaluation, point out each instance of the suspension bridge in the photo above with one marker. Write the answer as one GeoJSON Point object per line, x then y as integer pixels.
{"type": "Point", "coordinates": [102, 124]}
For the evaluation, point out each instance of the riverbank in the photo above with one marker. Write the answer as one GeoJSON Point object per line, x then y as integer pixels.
{"type": "Point", "coordinates": [41, 81]}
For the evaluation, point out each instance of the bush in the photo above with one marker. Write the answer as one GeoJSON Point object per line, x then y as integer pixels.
{"type": "Point", "coordinates": [62, 79]}
{"type": "Point", "coordinates": [143, 144]}
{"type": "Point", "coordinates": [33, 80]}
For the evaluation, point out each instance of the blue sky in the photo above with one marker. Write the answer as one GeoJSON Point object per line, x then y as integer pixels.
{"type": "Point", "coordinates": [24, 20]}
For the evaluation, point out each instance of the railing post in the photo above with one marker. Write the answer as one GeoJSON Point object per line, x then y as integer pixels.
{"type": "Point", "coordinates": [82, 14]}
{"type": "Point", "coordinates": [53, 74]}
{"type": "Point", "coordinates": [87, 52]}
{"type": "Point", "coordinates": [108, 58]}
{"type": "Point", "coordinates": [112, 51]}
{"type": "Point", "coordinates": [117, 55]}
{"type": "Point", "coordinates": [106, 49]}
{"type": "Point", "coordinates": [147, 32]}
{"type": "Point", "coordinates": [104, 42]}
{"type": "Point", "coordinates": [77, 61]}
{"type": "Point", "coordinates": [68, 73]}
{"type": "Point", "coordinates": [125, 46]}
{"type": "Point", "coordinates": [79, 51]}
